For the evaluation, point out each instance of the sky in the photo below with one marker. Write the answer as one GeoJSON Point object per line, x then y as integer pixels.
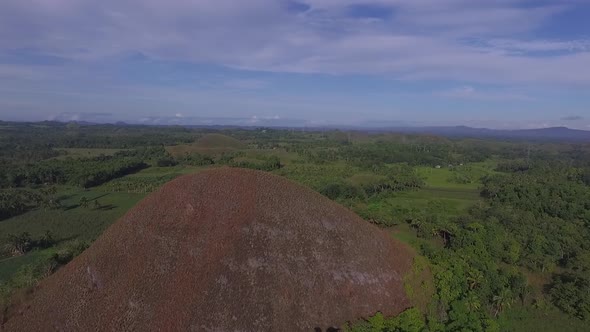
{"type": "Point", "coordinates": [481, 63]}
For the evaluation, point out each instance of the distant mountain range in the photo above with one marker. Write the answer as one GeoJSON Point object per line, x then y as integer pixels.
{"type": "Point", "coordinates": [553, 133]}
{"type": "Point", "coordinates": [562, 134]}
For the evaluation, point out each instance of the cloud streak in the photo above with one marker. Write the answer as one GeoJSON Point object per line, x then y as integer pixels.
{"type": "Point", "coordinates": [572, 118]}
{"type": "Point", "coordinates": [471, 93]}
{"type": "Point", "coordinates": [420, 40]}
{"type": "Point", "coordinates": [345, 59]}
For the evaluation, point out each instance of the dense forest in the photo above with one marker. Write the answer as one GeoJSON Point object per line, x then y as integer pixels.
{"type": "Point", "coordinates": [501, 227]}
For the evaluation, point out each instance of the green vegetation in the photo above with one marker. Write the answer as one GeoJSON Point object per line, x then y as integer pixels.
{"type": "Point", "coordinates": [85, 152]}
{"type": "Point", "coordinates": [208, 144]}
{"type": "Point", "coordinates": [82, 172]}
{"type": "Point", "coordinates": [409, 320]}
{"type": "Point", "coordinates": [500, 229]}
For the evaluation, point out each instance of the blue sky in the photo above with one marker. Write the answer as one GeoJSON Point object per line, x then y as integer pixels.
{"type": "Point", "coordinates": [485, 63]}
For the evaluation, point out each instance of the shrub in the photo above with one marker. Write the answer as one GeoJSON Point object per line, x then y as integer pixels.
{"type": "Point", "coordinates": [342, 191]}
{"type": "Point", "coordinates": [571, 293]}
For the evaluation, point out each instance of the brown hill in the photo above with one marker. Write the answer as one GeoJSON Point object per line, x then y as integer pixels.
{"type": "Point", "coordinates": [225, 250]}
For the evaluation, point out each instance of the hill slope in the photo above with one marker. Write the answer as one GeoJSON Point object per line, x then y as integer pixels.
{"type": "Point", "coordinates": [226, 250]}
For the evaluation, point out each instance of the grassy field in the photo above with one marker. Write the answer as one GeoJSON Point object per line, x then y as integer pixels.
{"type": "Point", "coordinates": [449, 177]}
{"type": "Point", "coordinates": [73, 222]}
{"type": "Point", "coordinates": [441, 187]}
{"type": "Point", "coordinates": [451, 201]}
{"type": "Point", "coordinates": [547, 319]}
{"type": "Point", "coordinates": [9, 266]}
{"type": "Point", "coordinates": [146, 180]}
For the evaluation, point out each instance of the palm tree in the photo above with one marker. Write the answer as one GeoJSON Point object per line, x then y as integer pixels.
{"type": "Point", "coordinates": [434, 231]}
{"type": "Point", "coordinates": [19, 244]}
{"type": "Point", "coordinates": [472, 302]}
{"type": "Point", "coordinates": [84, 202]}
{"type": "Point", "coordinates": [502, 301]}
{"type": "Point", "coordinates": [415, 223]}
{"type": "Point", "coordinates": [474, 278]}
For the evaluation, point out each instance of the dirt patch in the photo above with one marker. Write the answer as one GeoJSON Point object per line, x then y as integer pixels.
{"type": "Point", "coordinates": [226, 250]}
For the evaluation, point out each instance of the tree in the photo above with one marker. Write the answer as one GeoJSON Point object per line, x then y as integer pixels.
{"type": "Point", "coordinates": [472, 302]}
{"type": "Point", "coordinates": [571, 293]}
{"type": "Point", "coordinates": [502, 301]}
{"type": "Point", "coordinates": [19, 244]}
{"type": "Point", "coordinates": [474, 278]}
{"type": "Point", "coordinates": [463, 319]}
{"type": "Point", "coordinates": [84, 202]}
{"type": "Point", "coordinates": [415, 223]}
{"type": "Point", "coordinates": [48, 198]}
{"type": "Point", "coordinates": [46, 240]}
{"type": "Point", "coordinates": [166, 162]}
{"type": "Point", "coordinates": [11, 204]}
{"type": "Point", "coordinates": [512, 251]}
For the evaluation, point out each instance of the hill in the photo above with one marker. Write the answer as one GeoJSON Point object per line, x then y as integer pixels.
{"type": "Point", "coordinates": [225, 250]}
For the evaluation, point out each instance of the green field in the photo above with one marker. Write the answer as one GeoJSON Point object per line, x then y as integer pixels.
{"type": "Point", "coordinates": [457, 177]}
{"type": "Point", "coordinates": [10, 266]}
{"type": "Point", "coordinates": [454, 201]}
{"type": "Point", "coordinates": [73, 222]}
{"type": "Point", "coordinates": [543, 319]}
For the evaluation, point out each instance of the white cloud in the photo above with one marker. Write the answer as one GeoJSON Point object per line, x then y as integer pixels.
{"type": "Point", "coordinates": [254, 119]}
{"type": "Point", "coordinates": [424, 39]}
{"type": "Point", "coordinates": [470, 93]}
{"type": "Point", "coordinates": [80, 116]}
{"type": "Point", "coordinates": [524, 46]}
